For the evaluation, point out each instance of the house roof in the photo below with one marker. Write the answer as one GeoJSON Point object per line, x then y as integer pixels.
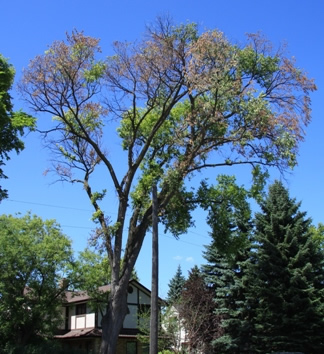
{"type": "Point", "coordinates": [81, 296]}
{"type": "Point", "coordinates": [77, 333]}
{"type": "Point", "coordinates": [90, 333]}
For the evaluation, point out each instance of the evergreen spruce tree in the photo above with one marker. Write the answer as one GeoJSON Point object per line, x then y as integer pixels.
{"type": "Point", "coordinates": [229, 217]}
{"type": "Point", "coordinates": [227, 279]}
{"type": "Point", "coordinates": [287, 279]}
{"type": "Point", "coordinates": [175, 287]}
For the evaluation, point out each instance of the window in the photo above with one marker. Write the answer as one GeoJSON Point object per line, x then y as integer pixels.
{"type": "Point", "coordinates": [131, 318]}
{"type": "Point", "coordinates": [131, 348]}
{"type": "Point", "coordinates": [130, 290]}
{"type": "Point", "coordinates": [81, 309]}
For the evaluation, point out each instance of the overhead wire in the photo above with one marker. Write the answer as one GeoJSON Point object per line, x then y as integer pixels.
{"type": "Point", "coordinates": [91, 228]}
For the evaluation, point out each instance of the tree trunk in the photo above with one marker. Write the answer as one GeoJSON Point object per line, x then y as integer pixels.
{"type": "Point", "coordinates": [24, 335]}
{"type": "Point", "coordinates": [112, 321]}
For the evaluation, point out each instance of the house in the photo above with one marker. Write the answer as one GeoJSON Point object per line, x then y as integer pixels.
{"type": "Point", "coordinates": [175, 327]}
{"type": "Point", "coordinates": [81, 329]}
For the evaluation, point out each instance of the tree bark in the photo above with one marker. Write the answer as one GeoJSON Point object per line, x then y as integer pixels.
{"type": "Point", "coordinates": [112, 321]}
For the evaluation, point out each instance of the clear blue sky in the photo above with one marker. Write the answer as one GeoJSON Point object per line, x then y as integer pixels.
{"type": "Point", "coordinates": [28, 27]}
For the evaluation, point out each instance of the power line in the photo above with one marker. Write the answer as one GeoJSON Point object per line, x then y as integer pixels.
{"type": "Point", "coordinates": [48, 205]}
{"type": "Point", "coordinates": [196, 233]}
{"type": "Point", "coordinates": [53, 206]}
{"type": "Point", "coordinates": [78, 227]}
{"type": "Point", "coordinates": [189, 243]}
{"type": "Point", "coordinates": [91, 228]}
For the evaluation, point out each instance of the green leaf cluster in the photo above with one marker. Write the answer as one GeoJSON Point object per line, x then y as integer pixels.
{"type": "Point", "coordinates": [96, 196]}
{"type": "Point", "coordinates": [261, 66]}
{"type": "Point", "coordinates": [12, 123]}
{"type": "Point", "coordinates": [95, 72]}
{"type": "Point", "coordinates": [229, 213]}
{"type": "Point", "coordinates": [34, 256]}
{"type": "Point", "coordinates": [90, 272]}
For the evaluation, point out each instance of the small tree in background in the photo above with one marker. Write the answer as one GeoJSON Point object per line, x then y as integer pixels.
{"type": "Point", "coordinates": [171, 322]}
{"type": "Point", "coordinates": [175, 287]}
{"type": "Point", "coordinates": [197, 311]}
{"type": "Point", "coordinates": [168, 330]}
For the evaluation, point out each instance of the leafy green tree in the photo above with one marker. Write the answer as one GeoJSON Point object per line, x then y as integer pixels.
{"type": "Point", "coordinates": [172, 328]}
{"type": "Point", "coordinates": [176, 286]}
{"type": "Point", "coordinates": [229, 214]}
{"type": "Point", "coordinates": [34, 256]}
{"type": "Point", "coordinates": [287, 278]}
{"type": "Point", "coordinates": [181, 102]}
{"type": "Point", "coordinates": [318, 234]}
{"type": "Point", "coordinates": [12, 123]}
{"type": "Point", "coordinates": [88, 273]}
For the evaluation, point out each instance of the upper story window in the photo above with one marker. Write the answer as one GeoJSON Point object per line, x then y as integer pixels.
{"type": "Point", "coordinates": [81, 309]}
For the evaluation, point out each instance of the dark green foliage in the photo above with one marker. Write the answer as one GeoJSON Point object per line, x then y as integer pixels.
{"type": "Point", "coordinates": [39, 347]}
{"type": "Point", "coordinates": [89, 272]}
{"type": "Point", "coordinates": [11, 123]}
{"type": "Point", "coordinates": [230, 220]}
{"type": "Point", "coordinates": [287, 279]}
{"type": "Point", "coordinates": [269, 293]}
{"type": "Point", "coordinates": [229, 214]}
{"type": "Point", "coordinates": [176, 286]}
{"type": "Point", "coordinates": [227, 279]}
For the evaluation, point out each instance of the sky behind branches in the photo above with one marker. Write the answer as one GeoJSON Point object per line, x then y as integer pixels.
{"type": "Point", "coordinates": [29, 27]}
